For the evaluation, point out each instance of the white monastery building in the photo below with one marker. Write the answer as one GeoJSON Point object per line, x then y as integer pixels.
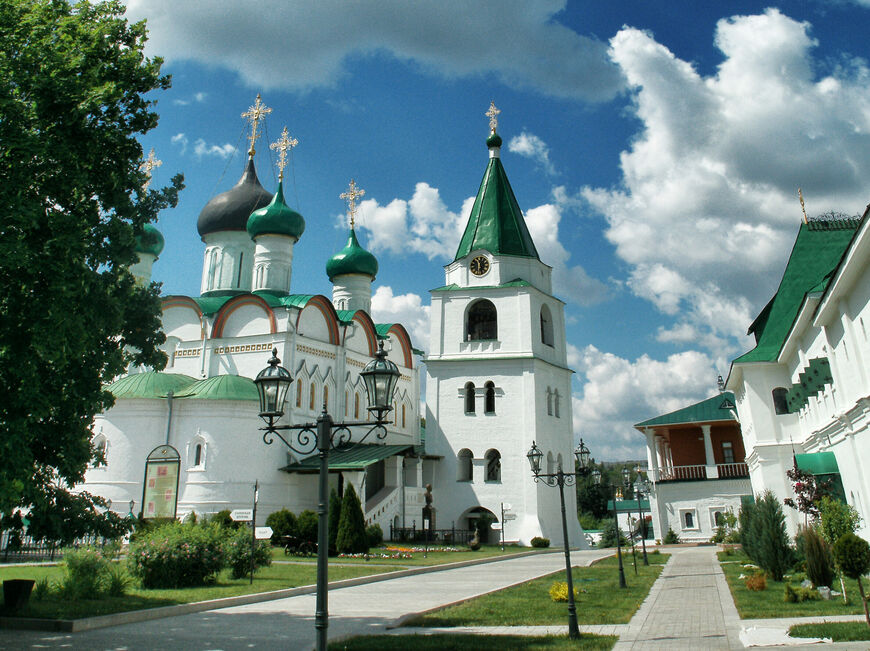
{"type": "Point", "coordinates": [496, 371]}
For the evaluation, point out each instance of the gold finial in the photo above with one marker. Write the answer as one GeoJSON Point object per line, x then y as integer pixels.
{"type": "Point", "coordinates": [353, 193]}
{"type": "Point", "coordinates": [491, 114]}
{"type": "Point", "coordinates": [284, 144]}
{"type": "Point", "coordinates": [803, 208]}
{"type": "Point", "coordinates": [255, 115]}
{"type": "Point", "coordinates": [148, 166]}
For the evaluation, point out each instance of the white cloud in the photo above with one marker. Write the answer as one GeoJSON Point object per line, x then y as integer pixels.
{"type": "Point", "coordinates": [200, 97]}
{"type": "Point", "coordinates": [707, 206]}
{"type": "Point", "coordinates": [200, 148]}
{"type": "Point", "coordinates": [531, 146]}
{"type": "Point", "coordinates": [407, 309]}
{"type": "Point", "coordinates": [180, 139]}
{"type": "Point", "coordinates": [617, 393]}
{"type": "Point", "coordinates": [446, 38]}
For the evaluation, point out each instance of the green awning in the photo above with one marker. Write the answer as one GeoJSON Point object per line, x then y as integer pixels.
{"type": "Point", "coordinates": [628, 506]}
{"type": "Point", "coordinates": [352, 457]}
{"type": "Point", "coordinates": [819, 463]}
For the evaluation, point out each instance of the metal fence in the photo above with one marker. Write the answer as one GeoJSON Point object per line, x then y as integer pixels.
{"type": "Point", "coordinates": [17, 548]}
{"type": "Point", "coordinates": [452, 536]}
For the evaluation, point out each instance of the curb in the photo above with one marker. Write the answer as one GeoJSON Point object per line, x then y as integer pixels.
{"type": "Point", "coordinates": [134, 616]}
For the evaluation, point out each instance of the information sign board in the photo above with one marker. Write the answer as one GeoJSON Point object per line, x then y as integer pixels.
{"type": "Point", "coordinates": [242, 515]}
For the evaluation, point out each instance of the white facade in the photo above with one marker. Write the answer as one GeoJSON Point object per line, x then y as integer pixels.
{"type": "Point", "coordinates": [690, 509]}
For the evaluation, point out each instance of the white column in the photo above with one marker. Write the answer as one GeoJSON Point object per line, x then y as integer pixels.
{"type": "Point", "coordinates": [712, 470]}
{"type": "Point", "coordinates": [651, 453]}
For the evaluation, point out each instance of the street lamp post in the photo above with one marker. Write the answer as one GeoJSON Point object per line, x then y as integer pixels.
{"type": "Point", "coordinates": [596, 475]}
{"type": "Point", "coordinates": [641, 486]}
{"type": "Point", "coordinates": [562, 479]}
{"type": "Point", "coordinates": [380, 377]}
{"type": "Point", "coordinates": [626, 482]}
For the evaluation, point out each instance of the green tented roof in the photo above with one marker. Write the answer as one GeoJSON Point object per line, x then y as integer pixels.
{"type": "Point", "coordinates": [816, 253]}
{"type": "Point", "coordinates": [221, 387]}
{"type": "Point", "coordinates": [629, 506]}
{"type": "Point", "coordinates": [353, 457]}
{"type": "Point", "coordinates": [496, 222]}
{"type": "Point", "coordinates": [717, 408]}
{"type": "Point", "coordinates": [818, 463]}
{"type": "Point", "coordinates": [151, 385]}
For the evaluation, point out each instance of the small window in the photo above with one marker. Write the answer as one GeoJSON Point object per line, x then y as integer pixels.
{"type": "Point", "coordinates": [556, 404]}
{"type": "Point", "coordinates": [780, 400]}
{"type": "Point", "coordinates": [403, 416]}
{"type": "Point", "coordinates": [489, 398]}
{"type": "Point", "coordinates": [469, 397]}
{"type": "Point", "coordinates": [727, 452]}
{"type": "Point", "coordinates": [356, 405]}
{"type": "Point", "coordinates": [718, 519]}
{"type": "Point", "coordinates": [549, 402]}
{"type": "Point", "coordinates": [326, 396]}
{"type": "Point", "coordinates": [346, 406]}
{"type": "Point", "coordinates": [101, 447]}
{"type": "Point", "coordinates": [493, 465]}
{"type": "Point", "coordinates": [197, 455]}
{"type": "Point", "coordinates": [689, 520]}
{"type": "Point", "coordinates": [311, 393]}
{"type": "Point", "coordinates": [546, 326]}
{"type": "Point", "coordinates": [464, 470]}
{"type": "Point", "coordinates": [482, 321]}
{"type": "Point", "coordinates": [298, 394]}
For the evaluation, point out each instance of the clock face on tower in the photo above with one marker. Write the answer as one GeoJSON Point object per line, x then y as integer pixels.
{"type": "Point", "coordinates": [479, 265]}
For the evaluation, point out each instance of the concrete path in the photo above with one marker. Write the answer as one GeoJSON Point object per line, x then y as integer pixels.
{"type": "Point", "coordinates": [289, 623]}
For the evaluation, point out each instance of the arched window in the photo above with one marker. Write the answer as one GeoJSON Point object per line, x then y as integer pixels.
{"type": "Point", "coordinates": [326, 396]}
{"type": "Point", "coordinates": [469, 397]}
{"type": "Point", "coordinates": [780, 400]}
{"type": "Point", "coordinates": [356, 405]}
{"type": "Point", "coordinates": [489, 398]}
{"type": "Point", "coordinates": [311, 393]}
{"type": "Point", "coordinates": [546, 326]}
{"type": "Point", "coordinates": [689, 518]}
{"type": "Point", "coordinates": [101, 446]}
{"type": "Point", "coordinates": [403, 415]}
{"type": "Point", "coordinates": [464, 470]}
{"type": "Point", "coordinates": [718, 520]}
{"type": "Point", "coordinates": [346, 406]}
{"type": "Point", "coordinates": [556, 403]}
{"type": "Point", "coordinates": [197, 454]}
{"type": "Point", "coordinates": [482, 321]}
{"type": "Point", "coordinates": [299, 394]}
{"type": "Point", "coordinates": [549, 402]}
{"type": "Point", "coordinates": [493, 465]}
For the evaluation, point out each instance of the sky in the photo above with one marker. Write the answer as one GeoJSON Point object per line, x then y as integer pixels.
{"type": "Point", "coordinates": [656, 150]}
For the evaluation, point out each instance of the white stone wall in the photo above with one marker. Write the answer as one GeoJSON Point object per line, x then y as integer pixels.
{"type": "Point", "coordinates": [273, 263]}
{"type": "Point", "coordinates": [352, 292]}
{"type": "Point", "coordinates": [671, 501]}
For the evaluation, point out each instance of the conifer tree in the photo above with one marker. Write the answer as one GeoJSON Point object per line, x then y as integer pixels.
{"type": "Point", "coordinates": [351, 537]}
{"type": "Point", "coordinates": [334, 519]}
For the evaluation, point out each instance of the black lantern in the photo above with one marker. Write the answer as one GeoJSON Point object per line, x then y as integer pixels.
{"type": "Point", "coordinates": [272, 383]}
{"type": "Point", "coordinates": [582, 455]}
{"type": "Point", "coordinates": [380, 377]}
{"type": "Point", "coordinates": [534, 455]}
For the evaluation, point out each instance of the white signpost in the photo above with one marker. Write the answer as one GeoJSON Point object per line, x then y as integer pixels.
{"type": "Point", "coordinates": [242, 515]}
{"type": "Point", "coordinates": [262, 533]}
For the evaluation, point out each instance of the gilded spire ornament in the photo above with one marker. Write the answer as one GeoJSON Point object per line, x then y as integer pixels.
{"type": "Point", "coordinates": [256, 114]}
{"type": "Point", "coordinates": [284, 144]}
{"type": "Point", "coordinates": [803, 207]}
{"type": "Point", "coordinates": [491, 114]}
{"type": "Point", "coordinates": [353, 193]}
{"type": "Point", "coordinates": [148, 166]}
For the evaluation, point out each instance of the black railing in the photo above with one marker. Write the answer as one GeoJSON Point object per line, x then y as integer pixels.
{"type": "Point", "coordinates": [452, 536]}
{"type": "Point", "coordinates": [17, 548]}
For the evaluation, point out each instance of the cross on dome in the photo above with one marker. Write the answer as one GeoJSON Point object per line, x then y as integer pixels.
{"type": "Point", "coordinates": [491, 114]}
{"type": "Point", "coordinates": [353, 193]}
{"type": "Point", "coordinates": [148, 166]}
{"type": "Point", "coordinates": [255, 115]}
{"type": "Point", "coordinates": [284, 144]}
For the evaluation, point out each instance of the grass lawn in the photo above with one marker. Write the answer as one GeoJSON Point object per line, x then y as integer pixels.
{"type": "Point", "coordinates": [771, 602]}
{"type": "Point", "coordinates": [476, 642]}
{"type": "Point", "coordinates": [600, 599]}
{"type": "Point", "coordinates": [419, 558]}
{"type": "Point", "coordinates": [837, 631]}
{"type": "Point", "coordinates": [275, 577]}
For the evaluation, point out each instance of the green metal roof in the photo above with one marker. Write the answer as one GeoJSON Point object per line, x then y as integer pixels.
{"type": "Point", "coordinates": [817, 251]}
{"type": "Point", "coordinates": [496, 222]}
{"type": "Point", "coordinates": [819, 463]}
{"type": "Point", "coordinates": [352, 457]}
{"type": "Point", "coordinates": [517, 282]}
{"type": "Point", "coordinates": [211, 304]}
{"type": "Point", "coordinates": [352, 259]}
{"type": "Point", "coordinates": [628, 506]}
{"type": "Point", "coordinates": [150, 241]}
{"type": "Point", "coordinates": [221, 387]}
{"type": "Point", "coordinates": [276, 219]}
{"type": "Point", "coordinates": [151, 385]}
{"type": "Point", "coordinates": [717, 408]}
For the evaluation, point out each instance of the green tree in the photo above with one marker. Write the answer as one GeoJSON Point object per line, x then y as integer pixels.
{"type": "Point", "coordinates": [351, 537]}
{"type": "Point", "coordinates": [771, 544]}
{"type": "Point", "coordinates": [852, 555]}
{"type": "Point", "coordinates": [283, 524]}
{"type": "Point", "coordinates": [73, 86]}
{"type": "Point", "coordinates": [306, 526]}
{"type": "Point", "coordinates": [836, 519]}
{"type": "Point", "coordinates": [334, 519]}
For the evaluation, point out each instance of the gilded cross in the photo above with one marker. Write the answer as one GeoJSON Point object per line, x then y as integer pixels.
{"type": "Point", "coordinates": [803, 207]}
{"type": "Point", "coordinates": [353, 193]}
{"type": "Point", "coordinates": [148, 166]}
{"type": "Point", "coordinates": [491, 114]}
{"type": "Point", "coordinates": [255, 115]}
{"type": "Point", "coordinates": [284, 144]}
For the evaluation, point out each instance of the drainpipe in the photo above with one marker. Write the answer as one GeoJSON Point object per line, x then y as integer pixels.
{"type": "Point", "coordinates": [168, 416]}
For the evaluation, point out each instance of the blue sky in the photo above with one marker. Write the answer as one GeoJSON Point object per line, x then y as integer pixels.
{"type": "Point", "coordinates": [655, 148]}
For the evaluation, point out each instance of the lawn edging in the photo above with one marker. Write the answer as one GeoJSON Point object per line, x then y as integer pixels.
{"type": "Point", "coordinates": [159, 612]}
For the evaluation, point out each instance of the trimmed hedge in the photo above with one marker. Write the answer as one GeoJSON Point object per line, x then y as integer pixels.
{"type": "Point", "coordinates": [178, 555]}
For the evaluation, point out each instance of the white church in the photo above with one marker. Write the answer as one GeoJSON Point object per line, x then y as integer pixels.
{"type": "Point", "coordinates": [496, 375]}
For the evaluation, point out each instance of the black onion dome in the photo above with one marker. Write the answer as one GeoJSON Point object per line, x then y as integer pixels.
{"type": "Point", "coordinates": [229, 211]}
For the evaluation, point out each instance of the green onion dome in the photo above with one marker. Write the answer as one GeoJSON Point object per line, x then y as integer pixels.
{"type": "Point", "coordinates": [229, 211]}
{"type": "Point", "coordinates": [494, 140]}
{"type": "Point", "coordinates": [352, 259]}
{"type": "Point", "coordinates": [150, 241]}
{"type": "Point", "coordinates": [276, 219]}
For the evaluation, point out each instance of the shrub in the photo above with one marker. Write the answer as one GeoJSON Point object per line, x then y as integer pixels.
{"type": "Point", "coordinates": [351, 538]}
{"type": "Point", "coordinates": [798, 594]}
{"type": "Point", "coordinates": [177, 555]}
{"type": "Point", "coordinates": [608, 536]}
{"type": "Point", "coordinates": [225, 520]}
{"type": "Point", "coordinates": [836, 519]}
{"type": "Point", "coordinates": [306, 526]}
{"type": "Point", "coordinates": [559, 591]}
{"type": "Point", "coordinates": [375, 535]}
{"type": "Point", "coordinates": [748, 538]}
{"type": "Point", "coordinates": [334, 520]}
{"type": "Point", "coordinates": [42, 588]}
{"type": "Point", "coordinates": [757, 582]}
{"type": "Point", "coordinates": [671, 538]}
{"type": "Point", "coordinates": [117, 580]}
{"type": "Point", "coordinates": [190, 518]}
{"type": "Point", "coordinates": [237, 551]}
{"type": "Point", "coordinates": [86, 572]}
{"type": "Point", "coordinates": [283, 523]}
{"type": "Point", "coordinates": [537, 541]}
{"type": "Point", "coordinates": [820, 564]}
{"type": "Point", "coordinates": [770, 544]}
{"type": "Point", "coordinates": [852, 555]}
